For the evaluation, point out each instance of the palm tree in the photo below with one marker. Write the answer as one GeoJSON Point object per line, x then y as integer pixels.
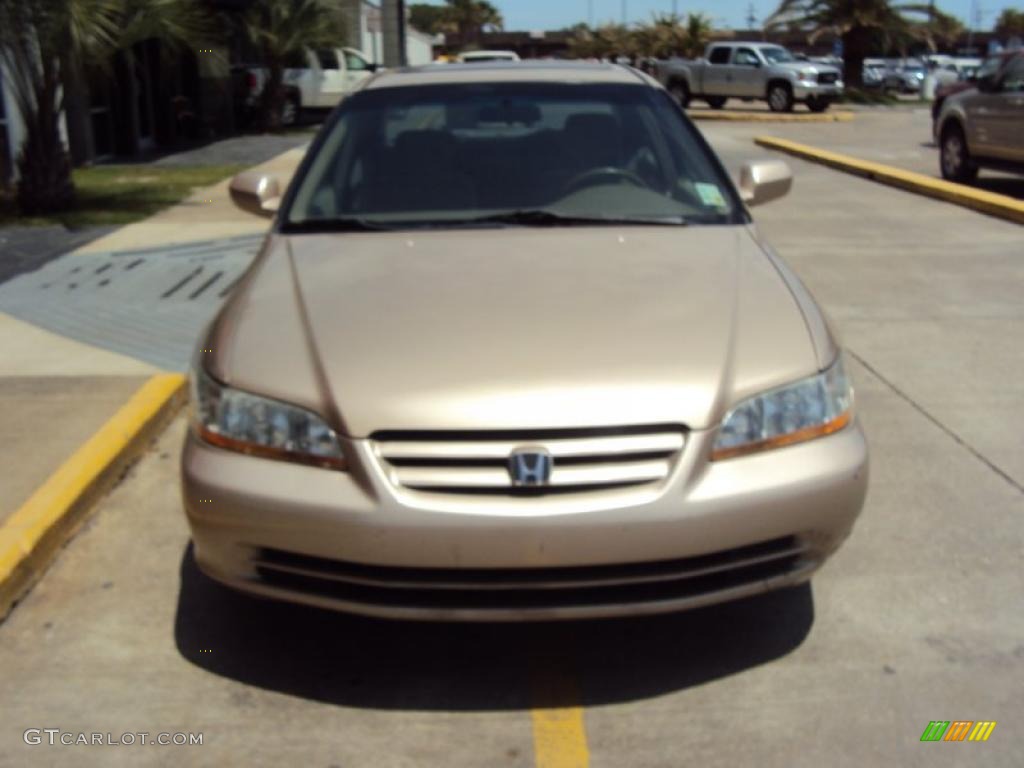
{"type": "Point", "coordinates": [1010, 23]}
{"type": "Point", "coordinates": [469, 18]}
{"type": "Point", "coordinates": [859, 23]}
{"type": "Point", "coordinates": [666, 36]}
{"type": "Point", "coordinates": [427, 18]}
{"type": "Point", "coordinates": [697, 35]}
{"type": "Point", "coordinates": [42, 43]}
{"type": "Point", "coordinates": [940, 31]}
{"type": "Point", "coordinates": [282, 29]}
{"type": "Point", "coordinates": [606, 42]}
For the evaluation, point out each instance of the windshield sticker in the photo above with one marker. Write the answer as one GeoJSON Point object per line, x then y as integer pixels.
{"type": "Point", "coordinates": [710, 195]}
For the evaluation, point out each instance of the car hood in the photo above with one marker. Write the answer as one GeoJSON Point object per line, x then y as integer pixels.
{"type": "Point", "coordinates": [514, 328]}
{"type": "Point", "coordinates": [801, 66]}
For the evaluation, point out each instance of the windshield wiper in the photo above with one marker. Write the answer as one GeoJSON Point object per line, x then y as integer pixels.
{"type": "Point", "coordinates": [339, 224]}
{"type": "Point", "coordinates": [540, 217]}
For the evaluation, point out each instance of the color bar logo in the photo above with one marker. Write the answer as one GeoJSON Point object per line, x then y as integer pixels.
{"type": "Point", "coordinates": [958, 730]}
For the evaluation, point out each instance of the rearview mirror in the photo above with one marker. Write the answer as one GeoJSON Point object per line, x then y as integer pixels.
{"type": "Point", "coordinates": [256, 192]}
{"type": "Point", "coordinates": [764, 180]}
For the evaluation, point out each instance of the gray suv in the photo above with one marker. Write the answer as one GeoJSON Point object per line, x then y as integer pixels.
{"type": "Point", "coordinates": [984, 127]}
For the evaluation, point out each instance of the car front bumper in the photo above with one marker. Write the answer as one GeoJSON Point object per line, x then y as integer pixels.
{"type": "Point", "coordinates": [710, 532]}
{"type": "Point", "coordinates": [802, 91]}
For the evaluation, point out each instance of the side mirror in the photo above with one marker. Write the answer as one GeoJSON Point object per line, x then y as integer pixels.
{"type": "Point", "coordinates": [764, 180]}
{"type": "Point", "coordinates": [371, 67]}
{"type": "Point", "coordinates": [256, 192]}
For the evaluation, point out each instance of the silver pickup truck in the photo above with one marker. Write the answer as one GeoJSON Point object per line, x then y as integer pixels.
{"type": "Point", "coordinates": [751, 71]}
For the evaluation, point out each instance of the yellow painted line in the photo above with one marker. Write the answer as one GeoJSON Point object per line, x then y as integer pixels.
{"type": "Point", "coordinates": [981, 200]}
{"type": "Point", "coordinates": [559, 734]}
{"type": "Point", "coordinates": [559, 738]}
{"type": "Point", "coordinates": [770, 117]}
{"type": "Point", "coordinates": [31, 537]}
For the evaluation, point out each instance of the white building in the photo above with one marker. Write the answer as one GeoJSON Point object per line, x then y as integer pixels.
{"type": "Point", "coordinates": [367, 18]}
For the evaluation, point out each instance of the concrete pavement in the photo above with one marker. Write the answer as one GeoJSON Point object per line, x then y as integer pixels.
{"type": "Point", "coordinates": [55, 389]}
{"type": "Point", "coordinates": [901, 137]}
{"type": "Point", "coordinates": [918, 618]}
{"type": "Point", "coordinates": [208, 214]}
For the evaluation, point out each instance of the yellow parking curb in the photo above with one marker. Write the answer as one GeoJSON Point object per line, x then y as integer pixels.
{"type": "Point", "coordinates": [1003, 206]}
{"type": "Point", "coordinates": [770, 117]}
{"type": "Point", "coordinates": [31, 537]}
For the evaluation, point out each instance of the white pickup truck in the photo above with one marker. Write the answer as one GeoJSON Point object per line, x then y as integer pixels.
{"type": "Point", "coordinates": [314, 80]}
{"type": "Point", "coordinates": [751, 71]}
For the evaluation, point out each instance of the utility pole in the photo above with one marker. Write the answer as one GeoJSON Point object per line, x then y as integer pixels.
{"type": "Point", "coordinates": [751, 16]}
{"type": "Point", "coordinates": [974, 20]}
{"type": "Point", "coordinates": [675, 9]}
{"type": "Point", "coordinates": [393, 32]}
{"type": "Point", "coordinates": [625, 11]}
{"type": "Point", "coordinates": [590, 13]}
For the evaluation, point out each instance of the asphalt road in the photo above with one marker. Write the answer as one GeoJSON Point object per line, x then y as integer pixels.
{"type": "Point", "coordinates": [899, 136]}
{"type": "Point", "coordinates": [918, 618]}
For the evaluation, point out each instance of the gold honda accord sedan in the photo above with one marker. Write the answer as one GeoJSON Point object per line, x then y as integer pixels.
{"type": "Point", "coordinates": [514, 349]}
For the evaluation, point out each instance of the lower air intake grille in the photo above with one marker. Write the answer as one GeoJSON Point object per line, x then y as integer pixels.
{"type": "Point", "coordinates": [528, 587]}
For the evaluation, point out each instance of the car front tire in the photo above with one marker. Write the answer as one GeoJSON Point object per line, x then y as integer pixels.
{"type": "Point", "coordinates": [290, 110]}
{"type": "Point", "coordinates": [954, 157]}
{"type": "Point", "coordinates": [818, 104]}
{"type": "Point", "coordinates": [681, 93]}
{"type": "Point", "coordinates": [780, 98]}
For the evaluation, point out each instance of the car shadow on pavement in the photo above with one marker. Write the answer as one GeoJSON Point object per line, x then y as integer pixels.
{"type": "Point", "coordinates": [367, 663]}
{"type": "Point", "coordinates": [1011, 186]}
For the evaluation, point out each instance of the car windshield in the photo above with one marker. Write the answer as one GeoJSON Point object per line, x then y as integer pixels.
{"type": "Point", "coordinates": [510, 154]}
{"type": "Point", "coordinates": [777, 55]}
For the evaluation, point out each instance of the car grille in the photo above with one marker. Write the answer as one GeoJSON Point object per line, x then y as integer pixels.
{"type": "Point", "coordinates": [827, 78]}
{"type": "Point", "coordinates": [478, 463]}
{"type": "Point", "coordinates": [525, 588]}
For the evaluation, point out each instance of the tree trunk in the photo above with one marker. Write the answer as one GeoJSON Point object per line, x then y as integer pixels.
{"type": "Point", "coordinates": [76, 112]}
{"type": "Point", "coordinates": [272, 96]}
{"type": "Point", "coordinates": [45, 184]}
{"type": "Point", "coordinates": [856, 45]}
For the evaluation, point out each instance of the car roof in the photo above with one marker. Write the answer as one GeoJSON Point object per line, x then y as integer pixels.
{"type": "Point", "coordinates": [510, 72]}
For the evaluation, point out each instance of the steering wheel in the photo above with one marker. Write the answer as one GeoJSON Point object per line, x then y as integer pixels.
{"type": "Point", "coordinates": [605, 175]}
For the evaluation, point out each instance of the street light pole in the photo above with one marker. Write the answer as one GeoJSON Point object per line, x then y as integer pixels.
{"type": "Point", "coordinates": [403, 53]}
{"type": "Point", "coordinates": [970, 29]}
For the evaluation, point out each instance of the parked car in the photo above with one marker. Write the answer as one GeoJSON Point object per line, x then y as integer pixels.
{"type": "Point", "coordinates": [873, 76]}
{"type": "Point", "coordinates": [751, 71]}
{"type": "Point", "coordinates": [479, 56]}
{"type": "Point", "coordinates": [990, 67]}
{"type": "Point", "coordinates": [983, 127]}
{"type": "Point", "coordinates": [905, 77]}
{"type": "Point", "coordinates": [314, 80]}
{"type": "Point", "coordinates": [513, 349]}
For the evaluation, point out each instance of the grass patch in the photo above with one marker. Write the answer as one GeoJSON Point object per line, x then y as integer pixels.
{"type": "Point", "coordinates": [113, 195]}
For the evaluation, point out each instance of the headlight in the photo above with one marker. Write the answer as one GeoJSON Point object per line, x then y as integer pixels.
{"type": "Point", "coordinates": [809, 75]}
{"type": "Point", "coordinates": [259, 426]}
{"type": "Point", "coordinates": [813, 407]}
